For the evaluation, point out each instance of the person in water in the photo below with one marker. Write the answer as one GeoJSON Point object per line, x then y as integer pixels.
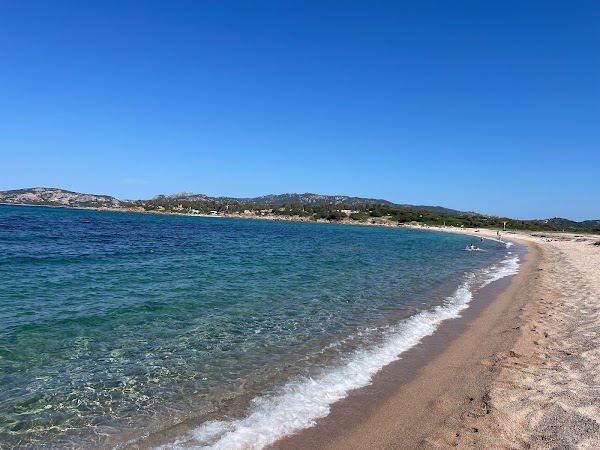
{"type": "Point", "coordinates": [471, 247]}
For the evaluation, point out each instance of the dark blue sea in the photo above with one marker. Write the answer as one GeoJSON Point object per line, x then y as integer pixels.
{"type": "Point", "coordinates": [122, 330]}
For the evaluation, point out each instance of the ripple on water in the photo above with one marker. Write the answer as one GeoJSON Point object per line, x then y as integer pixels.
{"type": "Point", "coordinates": [117, 322]}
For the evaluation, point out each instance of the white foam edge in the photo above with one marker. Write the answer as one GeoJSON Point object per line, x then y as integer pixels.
{"type": "Point", "coordinates": [507, 244]}
{"type": "Point", "coordinates": [300, 402]}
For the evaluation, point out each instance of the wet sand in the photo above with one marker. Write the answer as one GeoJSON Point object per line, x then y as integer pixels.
{"type": "Point", "coordinates": [520, 370]}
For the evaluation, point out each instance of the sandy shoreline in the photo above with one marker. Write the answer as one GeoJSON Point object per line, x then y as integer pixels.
{"type": "Point", "coordinates": [523, 373]}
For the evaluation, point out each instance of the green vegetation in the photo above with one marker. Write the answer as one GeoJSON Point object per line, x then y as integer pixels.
{"type": "Point", "coordinates": [366, 213]}
{"type": "Point", "coordinates": [297, 206]}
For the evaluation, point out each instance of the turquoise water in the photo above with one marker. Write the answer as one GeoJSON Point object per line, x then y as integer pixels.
{"type": "Point", "coordinates": [121, 329]}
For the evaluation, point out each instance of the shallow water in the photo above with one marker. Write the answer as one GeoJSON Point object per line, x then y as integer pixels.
{"type": "Point", "coordinates": [124, 329]}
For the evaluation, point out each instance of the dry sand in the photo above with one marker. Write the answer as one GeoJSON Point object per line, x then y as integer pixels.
{"type": "Point", "coordinates": [547, 395]}
{"type": "Point", "coordinates": [524, 373]}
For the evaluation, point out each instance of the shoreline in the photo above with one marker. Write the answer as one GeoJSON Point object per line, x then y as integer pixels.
{"type": "Point", "coordinates": [517, 371]}
{"type": "Point", "coordinates": [427, 383]}
{"type": "Point", "coordinates": [370, 222]}
{"type": "Point", "coordinates": [258, 432]}
{"type": "Point", "coordinates": [499, 379]}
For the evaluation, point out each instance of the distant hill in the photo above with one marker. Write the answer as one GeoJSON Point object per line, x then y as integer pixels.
{"type": "Point", "coordinates": [186, 196]}
{"type": "Point", "coordinates": [61, 197]}
{"type": "Point", "coordinates": [570, 224]}
{"type": "Point", "coordinates": [57, 197]}
{"type": "Point", "coordinates": [307, 199]}
{"type": "Point", "coordinates": [280, 199]}
{"type": "Point", "coordinates": [439, 209]}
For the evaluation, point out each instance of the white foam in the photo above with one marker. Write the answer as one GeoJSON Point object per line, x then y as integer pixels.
{"type": "Point", "coordinates": [506, 243]}
{"type": "Point", "coordinates": [302, 401]}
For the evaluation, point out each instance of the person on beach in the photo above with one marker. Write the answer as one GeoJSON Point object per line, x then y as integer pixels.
{"type": "Point", "coordinates": [498, 234]}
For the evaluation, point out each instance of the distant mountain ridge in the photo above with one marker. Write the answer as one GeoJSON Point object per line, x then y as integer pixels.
{"type": "Point", "coordinates": [279, 199]}
{"type": "Point", "coordinates": [566, 223]}
{"type": "Point", "coordinates": [61, 197]}
{"type": "Point", "coordinates": [306, 198]}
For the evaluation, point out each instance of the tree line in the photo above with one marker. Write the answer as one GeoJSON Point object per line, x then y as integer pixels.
{"type": "Point", "coordinates": [357, 213]}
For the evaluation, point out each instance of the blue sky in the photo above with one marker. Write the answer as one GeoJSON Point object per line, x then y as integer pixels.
{"type": "Point", "coordinates": [491, 106]}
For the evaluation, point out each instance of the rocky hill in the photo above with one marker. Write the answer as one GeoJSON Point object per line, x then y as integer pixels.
{"type": "Point", "coordinates": [306, 199]}
{"type": "Point", "coordinates": [57, 197]}
{"type": "Point", "coordinates": [280, 199]}
{"type": "Point", "coordinates": [61, 197]}
{"type": "Point", "coordinates": [186, 196]}
{"type": "Point", "coordinates": [309, 198]}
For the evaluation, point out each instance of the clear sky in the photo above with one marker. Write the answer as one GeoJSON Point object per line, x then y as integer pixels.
{"type": "Point", "coordinates": [485, 105]}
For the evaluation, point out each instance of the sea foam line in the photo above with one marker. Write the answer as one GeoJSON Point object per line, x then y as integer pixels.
{"type": "Point", "coordinates": [300, 402]}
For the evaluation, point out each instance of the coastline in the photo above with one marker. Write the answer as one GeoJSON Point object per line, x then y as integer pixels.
{"type": "Point", "coordinates": [523, 379]}
{"type": "Point", "coordinates": [371, 221]}
{"type": "Point", "coordinates": [511, 377]}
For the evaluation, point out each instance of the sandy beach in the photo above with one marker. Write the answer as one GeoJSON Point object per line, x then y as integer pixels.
{"type": "Point", "coordinates": [520, 373]}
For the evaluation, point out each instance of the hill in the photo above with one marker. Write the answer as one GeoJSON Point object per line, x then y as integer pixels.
{"type": "Point", "coordinates": [57, 197]}
{"type": "Point", "coordinates": [307, 204]}
{"type": "Point", "coordinates": [302, 199]}
{"type": "Point", "coordinates": [275, 200]}
{"type": "Point", "coordinates": [570, 224]}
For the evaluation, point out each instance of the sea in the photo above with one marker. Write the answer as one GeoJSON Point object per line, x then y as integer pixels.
{"type": "Point", "coordinates": [146, 331]}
